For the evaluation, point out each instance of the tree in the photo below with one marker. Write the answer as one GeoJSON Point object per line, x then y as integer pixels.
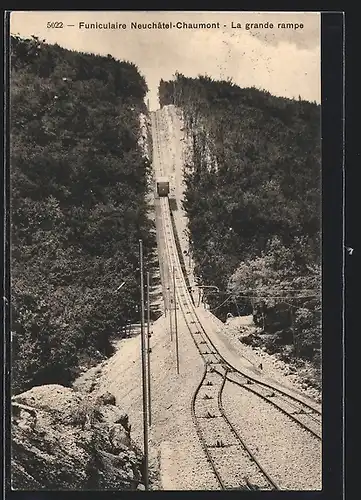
{"type": "Point", "coordinates": [78, 182]}
{"type": "Point", "coordinates": [253, 197]}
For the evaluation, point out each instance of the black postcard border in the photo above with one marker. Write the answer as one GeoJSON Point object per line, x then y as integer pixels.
{"type": "Point", "coordinates": [336, 265]}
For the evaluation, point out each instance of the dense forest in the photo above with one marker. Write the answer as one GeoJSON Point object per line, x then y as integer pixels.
{"type": "Point", "coordinates": [78, 188]}
{"type": "Point", "coordinates": [253, 198]}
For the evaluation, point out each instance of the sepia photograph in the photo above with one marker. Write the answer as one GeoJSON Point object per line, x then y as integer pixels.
{"type": "Point", "coordinates": [166, 259]}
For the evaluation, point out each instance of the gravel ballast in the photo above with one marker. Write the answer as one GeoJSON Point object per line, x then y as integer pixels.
{"type": "Point", "coordinates": [289, 454]}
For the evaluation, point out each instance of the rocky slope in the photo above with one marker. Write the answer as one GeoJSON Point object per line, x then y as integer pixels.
{"type": "Point", "coordinates": [63, 439]}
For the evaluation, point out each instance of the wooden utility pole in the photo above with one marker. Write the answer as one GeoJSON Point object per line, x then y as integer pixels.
{"type": "Point", "coordinates": [175, 321]}
{"type": "Point", "coordinates": [293, 333]}
{"type": "Point", "coordinates": [148, 349]}
{"type": "Point", "coordinates": [144, 371]}
{"type": "Point", "coordinates": [165, 303]}
{"type": "Point", "coordinates": [170, 314]}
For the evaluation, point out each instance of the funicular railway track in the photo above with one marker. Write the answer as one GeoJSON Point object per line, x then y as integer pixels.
{"type": "Point", "coordinates": [233, 464]}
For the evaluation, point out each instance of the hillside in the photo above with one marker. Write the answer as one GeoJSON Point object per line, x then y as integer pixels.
{"type": "Point", "coordinates": [78, 188]}
{"type": "Point", "coordinates": [253, 203]}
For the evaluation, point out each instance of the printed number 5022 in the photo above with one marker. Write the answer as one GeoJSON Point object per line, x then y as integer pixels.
{"type": "Point", "coordinates": [54, 24]}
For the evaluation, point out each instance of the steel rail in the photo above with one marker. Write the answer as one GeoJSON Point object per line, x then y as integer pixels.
{"type": "Point", "coordinates": [238, 437]}
{"type": "Point", "coordinates": [186, 306]}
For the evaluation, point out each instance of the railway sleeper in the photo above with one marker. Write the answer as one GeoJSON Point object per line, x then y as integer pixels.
{"type": "Point", "coordinates": [241, 487]}
{"type": "Point", "coordinates": [218, 444]}
{"type": "Point", "coordinates": [251, 486]}
{"type": "Point", "coordinates": [301, 411]}
{"type": "Point", "coordinates": [210, 415]}
{"type": "Point", "coordinates": [221, 444]}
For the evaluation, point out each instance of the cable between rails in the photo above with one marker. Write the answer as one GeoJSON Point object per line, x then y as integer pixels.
{"type": "Point", "coordinates": [199, 432]}
{"type": "Point", "coordinates": [220, 355]}
{"type": "Point", "coordinates": [193, 402]}
{"type": "Point", "coordinates": [189, 305]}
{"type": "Point", "coordinates": [174, 257]}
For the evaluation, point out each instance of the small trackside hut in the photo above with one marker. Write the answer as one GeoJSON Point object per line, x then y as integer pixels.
{"type": "Point", "coordinates": [162, 186]}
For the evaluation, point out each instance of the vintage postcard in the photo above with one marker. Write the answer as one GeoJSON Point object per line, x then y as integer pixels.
{"type": "Point", "coordinates": [165, 183]}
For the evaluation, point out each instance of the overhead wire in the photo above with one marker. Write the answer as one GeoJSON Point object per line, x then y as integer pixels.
{"type": "Point", "coordinates": [244, 297]}
{"type": "Point", "coordinates": [221, 304]}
